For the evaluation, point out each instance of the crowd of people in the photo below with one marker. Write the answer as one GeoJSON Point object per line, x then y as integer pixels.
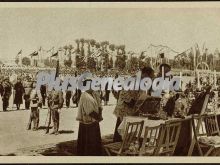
{"type": "Point", "coordinates": [89, 103]}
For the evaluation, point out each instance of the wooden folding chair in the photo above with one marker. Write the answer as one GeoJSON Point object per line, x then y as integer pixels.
{"type": "Point", "coordinates": [204, 127]}
{"type": "Point", "coordinates": [204, 107]}
{"type": "Point", "coordinates": [151, 140]}
{"type": "Point", "coordinates": [170, 138]}
{"type": "Point", "coordinates": [211, 125]}
{"type": "Point", "coordinates": [132, 133]}
{"type": "Point", "coordinates": [162, 139]}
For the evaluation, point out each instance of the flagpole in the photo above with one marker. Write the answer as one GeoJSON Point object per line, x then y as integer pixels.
{"type": "Point", "coordinates": [38, 58]}
{"type": "Point", "coordinates": [21, 58]}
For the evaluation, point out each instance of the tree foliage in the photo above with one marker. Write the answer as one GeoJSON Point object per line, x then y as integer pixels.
{"type": "Point", "coordinates": [26, 61]}
{"type": "Point", "coordinates": [68, 63]}
{"type": "Point", "coordinates": [110, 66]}
{"type": "Point", "coordinates": [50, 62]}
{"type": "Point", "coordinates": [133, 63]}
{"type": "Point", "coordinates": [91, 63]}
{"type": "Point", "coordinates": [16, 60]}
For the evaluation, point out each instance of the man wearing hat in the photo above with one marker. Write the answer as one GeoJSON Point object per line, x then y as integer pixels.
{"type": "Point", "coordinates": [7, 90]}
{"type": "Point", "coordinates": [166, 68]}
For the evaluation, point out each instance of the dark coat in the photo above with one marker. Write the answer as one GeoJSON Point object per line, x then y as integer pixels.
{"type": "Point", "coordinates": [7, 87]}
{"type": "Point", "coordinates": [43, 90]}
{"type": "Point", "coordinates": [19, 92]}
{"type": "Point", "coordinates": [1, 89]}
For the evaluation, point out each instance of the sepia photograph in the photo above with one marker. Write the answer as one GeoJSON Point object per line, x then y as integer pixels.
{"type": "Point", "coordinates": [110, 82]}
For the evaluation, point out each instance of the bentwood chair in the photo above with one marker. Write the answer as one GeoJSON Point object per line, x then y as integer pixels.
{"type": "Point", "coordinates": [206, 134]}
{"type": "Point", "coordinates": [132, 134]}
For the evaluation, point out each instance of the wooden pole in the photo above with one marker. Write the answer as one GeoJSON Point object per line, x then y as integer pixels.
{"type": "Point", "coordinates": [215, 79]}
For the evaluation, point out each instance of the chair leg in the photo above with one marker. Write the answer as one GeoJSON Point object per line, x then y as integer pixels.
{"type": "Point", "coordinates": [107, 151]}
{"type": "Point", "coordinates": [215, 152]}
{"type": "Point", "coordinates": [209, 151]}
{"type": "Point", "coordinates": [200, 150]}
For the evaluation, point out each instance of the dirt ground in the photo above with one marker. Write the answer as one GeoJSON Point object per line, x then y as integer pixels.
{"type": "Point", "coordinates": [16, 140]}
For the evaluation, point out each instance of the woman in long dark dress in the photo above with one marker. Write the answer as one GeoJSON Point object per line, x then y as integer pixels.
{"type": "Point", "coordinates": [19, 91]}
{"type": "Point", "coordinates": [106, 95]}
{"type": "Point", "coordinates": [89, 115]}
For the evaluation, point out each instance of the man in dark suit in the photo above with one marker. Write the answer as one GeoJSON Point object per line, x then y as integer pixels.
{"type": "Point", "coordinates": [7, 90]}
{"type": "Point", "coordinates": [43, 91]}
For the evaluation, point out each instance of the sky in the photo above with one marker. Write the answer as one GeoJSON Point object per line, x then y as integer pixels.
{"type": "Point", "coordinates": [180, 29]}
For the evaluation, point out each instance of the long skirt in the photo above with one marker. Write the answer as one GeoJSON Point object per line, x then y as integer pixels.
{"type": "Point", "coordinates": [89, 140]}
{"type": "Point", "coordinates": [18, 99]}
{"type": "Point", "coordinates": [106, 97]}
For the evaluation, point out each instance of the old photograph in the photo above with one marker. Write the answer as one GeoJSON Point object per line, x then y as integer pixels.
{"type": "Point", "coordinates": [110, 79]}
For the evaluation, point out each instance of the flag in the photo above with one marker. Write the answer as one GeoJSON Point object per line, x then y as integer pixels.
{"type": "Point", "coordinates": [19, 52]}
{"type": "Point", "coordinates": [35, 53]}
{"type": "Point", "coordinates": [55, 54]}
{"type": "Point", "coordinates": [197, 54]}
{"type": "Point", "coordinates": [57, 69]}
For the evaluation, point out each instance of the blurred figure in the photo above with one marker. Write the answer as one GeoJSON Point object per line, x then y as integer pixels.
{"type": "Point", "coordinates": [35, 101]}
{"type": "Point", "coordinates": [167, 69]}
{"type": "Point", "coordinates": [116, 93]}
{"type": "Point", "coordinates": [43, 91]}
{"type": "Point", "coordinates": [129, 102]}
{"type": "Point", "coordinates": [68, 97]}
{"type": "Point", "coordinates": [7, 91]}
{"type": "Point", "coordinates": [28, 88]}
{"type": "Point", "coordinates": [19, 92]}
{"type": "Point", "coordinates": [106, 95]}
{"type": "Point", "coordinates": [55, 102]}
{"type": "Point", "coordinates": [1, 87]}
{"type": "Point", "coordinates": [76, 96]}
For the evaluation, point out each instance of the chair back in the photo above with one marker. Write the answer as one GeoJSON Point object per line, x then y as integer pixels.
{"type": "Point", "coordinates": [203, 126]}
{"type": "Point", "coordinates": [132, 133]}
{"type": "Point", "coordinates": [170, 138]}
{"type": "Point", "coordinates": [198, 126]}
{"type": "Point", "coordinates": [211, 125]}
{"type": "Point", "coordinates": [199, 105]}
{"type": "Point", "coordinates": [152, 137]}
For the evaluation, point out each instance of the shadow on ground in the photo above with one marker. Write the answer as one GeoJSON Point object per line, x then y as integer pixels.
{"type": "Point", "coordinates": [44, 127]}
{"type": "Point", "coordinates": [61, 131]}
{"type": "Point", "coordinates": [66, 131]}
{"type": "Point", "coordinates": [68, 148]}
